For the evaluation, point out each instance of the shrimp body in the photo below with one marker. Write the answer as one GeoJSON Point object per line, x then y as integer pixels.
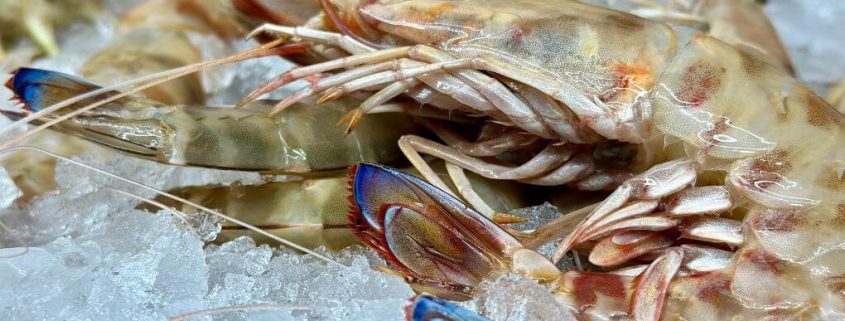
{"type": "Point", "coordinates": [298, 141]}
{"type": "Point", "coordinates": [596, 61]}
{"type": "Point", "coordinates": [780, 147]}
{"type": "Point", "coordinates": [731, 108]}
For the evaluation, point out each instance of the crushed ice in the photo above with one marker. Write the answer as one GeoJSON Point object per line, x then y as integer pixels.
{"type": "Point", "coordinates": [93, 256]}
{"type": "Point", "coordinates": [515, 297]}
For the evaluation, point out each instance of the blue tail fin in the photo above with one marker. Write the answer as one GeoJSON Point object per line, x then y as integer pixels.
{"type": "Point", "coordinates": [429, 308]}
{"type": "Point", "coordinates": [38, 88]}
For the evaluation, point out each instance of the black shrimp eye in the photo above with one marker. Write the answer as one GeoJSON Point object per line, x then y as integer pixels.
{"type": "Point", "coordinates": [615, 154]}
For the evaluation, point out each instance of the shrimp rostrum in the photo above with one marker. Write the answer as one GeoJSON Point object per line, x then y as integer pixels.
{"type": "Point", "coordinates": [737, 198]}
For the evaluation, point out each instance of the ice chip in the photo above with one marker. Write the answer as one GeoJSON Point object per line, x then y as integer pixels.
{"type": "Point", "coordinates": [536, 216]}
{"type": "Point", "coordinates": [9, 192]}
{"type": "Point", "coordinates": [513, 297]}
{"type": "Point", "coordinates": [206, 225]}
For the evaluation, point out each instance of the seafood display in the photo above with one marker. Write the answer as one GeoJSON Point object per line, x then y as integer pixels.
{"type": "Point", "coordinates": [698, 179]}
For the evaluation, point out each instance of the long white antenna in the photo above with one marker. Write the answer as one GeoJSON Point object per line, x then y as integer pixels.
{"type": "Point", "coordinates": [18, 239]}
{"type": "Point", "coordinates": [237, 308]}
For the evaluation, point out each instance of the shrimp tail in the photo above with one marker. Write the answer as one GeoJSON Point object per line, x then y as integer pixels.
{"type": "Point", "coordinates": [39, 88]}
{"type": "Point", "coordinates": [419, 230]}
{"type": "Point", "coordinates": [426, 307]}
{"type": "Point", "coordinates": [36, 89]}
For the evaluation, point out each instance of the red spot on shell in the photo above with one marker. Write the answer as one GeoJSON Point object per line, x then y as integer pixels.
{"type": "Point", "coordinates": [517, 35]}
{"type": "Point", "coordinates": [763, 260]}
{"type": "Point", "coordinates": [837, 284]}
{"type": "Point", "coordinates": [779, 220]}
{"type": "Point", "coordinates": [719, 127]}
{"type": "Point", "coordinates": [820, 113]}
{"type": "Point", "coordinates": [587, 285]}
{"type": "Point", "coordinates": [628, 77]}
{"type": "Point", "coordinates": [712, 287]}
{"type": "Point", "coordinates": [768, 169]}
{"type": "Point", "coordinates": [773, 162]}
{"type": "Point", "coordinates": [698, 82]}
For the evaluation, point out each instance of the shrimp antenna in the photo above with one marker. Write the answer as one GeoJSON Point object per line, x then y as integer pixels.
{"type": "Point", "coordinates": [181, 215]}
{"type": "Point", "coordinates": [154, 80]}
{"type": "Point", "coordinates": [238, 308]}
{"type": "Point", "coordinates": [17, 239]}
{"type": "Point", "coordinates": [178, 199]}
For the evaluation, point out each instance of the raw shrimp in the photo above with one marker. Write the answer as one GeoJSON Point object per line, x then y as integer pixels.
{"type": "Point", "coordinates": [580, 91]}
{"type": "Point", "coordinates": [428, 308]}
{"type": "Point", "coordinates": [726, 145]}
{"type": "Point", "coordinates": [302, 141]}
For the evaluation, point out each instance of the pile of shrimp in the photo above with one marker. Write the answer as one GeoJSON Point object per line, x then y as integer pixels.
{"type": "Point", "coordinates": [718, 175]}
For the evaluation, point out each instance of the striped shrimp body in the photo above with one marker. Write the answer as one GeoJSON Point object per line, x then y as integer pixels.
{"type": "Point", "coordinates": [299, 141]}
{"type": "Point", "coordinates": [738, 155]}
{"type": "Point", "coordinates": [145, 43]}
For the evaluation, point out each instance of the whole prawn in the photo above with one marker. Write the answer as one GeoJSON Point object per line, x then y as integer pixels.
{"type": "Point", "coordinates": [762, 148]}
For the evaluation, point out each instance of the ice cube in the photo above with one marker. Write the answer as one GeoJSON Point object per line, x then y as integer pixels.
{"type": "Point", "coordinates": [241, 272]}
{"type": "Point", "coordinates": [195, 176]}
{"type": "Point", "coordinates": [78, 43]}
